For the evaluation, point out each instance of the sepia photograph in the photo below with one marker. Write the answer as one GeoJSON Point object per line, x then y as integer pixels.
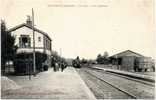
{"type": "Point", "coordinates": [77, 49]}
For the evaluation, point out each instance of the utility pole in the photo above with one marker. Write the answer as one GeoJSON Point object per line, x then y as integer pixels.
{"type": "Point", "coordinates": [34, 58]}
{"type": "Point", "coordinates": [61, 54]}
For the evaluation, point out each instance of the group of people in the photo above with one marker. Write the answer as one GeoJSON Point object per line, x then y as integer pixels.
{"type": "Point", "coordinates": [59, 65]}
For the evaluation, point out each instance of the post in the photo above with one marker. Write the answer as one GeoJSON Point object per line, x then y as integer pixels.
{"type": "Point", "coordinates": [28, 68]}
{"type": "Point", "coordinates": [60, 52]}
{"type": "Point", "coordinates": [34, 59]}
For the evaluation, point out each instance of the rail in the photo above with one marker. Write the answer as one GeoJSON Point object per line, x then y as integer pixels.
{"type": "Point", "coordinates": [124, 91]}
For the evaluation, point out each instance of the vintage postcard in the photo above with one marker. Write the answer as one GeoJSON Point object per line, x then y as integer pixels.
{"type": "Point", "coordinates": [78, 49]}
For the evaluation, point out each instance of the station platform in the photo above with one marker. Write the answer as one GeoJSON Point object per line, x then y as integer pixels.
{"type": "Point", "coordinates": [130, 74]}
{"type": "Point", "coordinates": [48, 85]}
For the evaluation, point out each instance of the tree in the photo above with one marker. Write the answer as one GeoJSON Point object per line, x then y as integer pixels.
{"type": "Point", "coordinates": [99, 59]}
{"type": "Point", "coordinates": [8, 49]}
{"type": "Point", "coordinates": [105, 55]}
{"type": "Point", "coordinates": [103, 59]}
{"type": "Point", "coordinates": [83, 61]}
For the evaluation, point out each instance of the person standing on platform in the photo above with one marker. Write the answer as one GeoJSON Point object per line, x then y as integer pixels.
{"type": "Point", "coordinates": [62, 66]}
{"type": "Point", "coordinates": [56, 67]}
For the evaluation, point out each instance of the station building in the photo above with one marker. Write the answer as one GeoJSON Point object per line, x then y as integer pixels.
{"type": "Point", "coordinates": [132, 61]}
{"type": "Point", "coordinates": [23, 35]}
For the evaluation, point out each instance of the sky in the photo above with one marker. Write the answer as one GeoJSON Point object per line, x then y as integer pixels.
{"type": "Point", "coordinates": [86, 28]}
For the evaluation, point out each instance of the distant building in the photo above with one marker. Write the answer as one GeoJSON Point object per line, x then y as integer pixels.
{"type": "Point", "coordinates": [23, 34]}
{"type": "Point", "coordinates": [131, 61]}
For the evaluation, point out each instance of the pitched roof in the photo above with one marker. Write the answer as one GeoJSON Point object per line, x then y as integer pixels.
{"type": "Point", "coordinates": [127, 53]}
{"type": "Point", "coordinates": [24, 24]}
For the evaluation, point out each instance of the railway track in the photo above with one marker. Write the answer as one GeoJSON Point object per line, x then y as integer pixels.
{"type": "Point", "coordinates": [129, 94]}
{"type": "Point", "coordinates": [133, 79]}
{"type": "Point", "coordinates": [129, 78]}
{"type": "Point", "coordinates": [132, 93]}
{"type": "Point", "coordinates": [102, 90]}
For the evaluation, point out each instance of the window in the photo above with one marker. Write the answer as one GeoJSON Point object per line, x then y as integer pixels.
{"type": "Point", "coordinates": [24, 41]}
{"type": "Point", "coordinates": [39, 39]}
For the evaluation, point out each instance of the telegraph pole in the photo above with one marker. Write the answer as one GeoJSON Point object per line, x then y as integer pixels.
{"type": "Point", "coordinates": [61, 54]}
{"type": "Point", "coordinates": [34, 58]}
{"type": "Point", "coordinates": [60, 51]}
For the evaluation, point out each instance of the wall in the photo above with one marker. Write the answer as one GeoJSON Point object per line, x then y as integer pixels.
{"type": "Point", "coordinates": [27, 31]}
{"type": "Point", "coordinates": [127, 63]}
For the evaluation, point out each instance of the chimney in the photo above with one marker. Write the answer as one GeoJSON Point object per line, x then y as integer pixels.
{"type": "Point", "coordinates": [29, 21]}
